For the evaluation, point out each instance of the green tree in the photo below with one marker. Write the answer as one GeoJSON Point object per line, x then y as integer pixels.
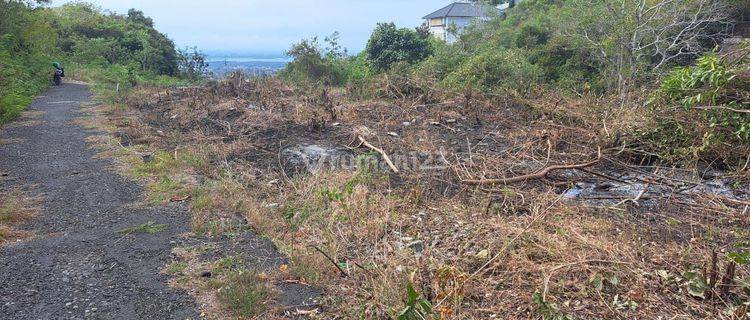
{"type": "Point", "coordinates": [389, 45]}
{"type": "Point", "coordinates": [313, 64]}
{"type": "Point", "coordinates": [192, 63]}
{"type": "Point", "coordinates": [511, 3]}
{"type": "Point", "coordinates": [27, 39]}
{"type": "Point", "coordinates": [137, 16]}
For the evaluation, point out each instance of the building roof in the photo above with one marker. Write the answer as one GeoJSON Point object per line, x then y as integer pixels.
{"type": "Point", "coordinates": [461, 9]}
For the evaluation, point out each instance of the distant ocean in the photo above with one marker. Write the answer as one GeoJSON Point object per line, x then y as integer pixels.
{"type": "Point", "coordinates": [222, 64]}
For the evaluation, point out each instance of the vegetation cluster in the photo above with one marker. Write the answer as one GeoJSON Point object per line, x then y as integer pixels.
{"type": "Point", "coordinates": [91, 44]}
{"type": "Point", "coordinates": [576, 48]}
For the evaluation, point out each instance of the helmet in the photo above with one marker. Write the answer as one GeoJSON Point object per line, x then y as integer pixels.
{"type": "Point", "coordinates": [56, 64]}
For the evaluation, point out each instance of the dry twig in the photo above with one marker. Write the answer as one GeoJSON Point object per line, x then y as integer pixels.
{"type": "Point", "coordinates": [382, 153]}
{"type": "Point", "coordinates": [542, 174]}
{"type": "Point", "coordinates": [343, 273]}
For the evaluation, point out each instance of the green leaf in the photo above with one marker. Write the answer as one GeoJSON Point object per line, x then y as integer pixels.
{"type": "Point", "coordinates": [426, 306]}
{"type": "Point", "coordinates": [343, 265]}
{"type": "Point", "coordinates": [740, 258]}
{"type": "Point", "coordinates": [404, 314]}
{"type": "Point", "coordinates": [614, 280]}
{"type": "Point", "coordinates": [412, 294]}
{"type": "Point", "coordinates": [697, 285]}
{"type": "Point", "coordinates": [598, 282]}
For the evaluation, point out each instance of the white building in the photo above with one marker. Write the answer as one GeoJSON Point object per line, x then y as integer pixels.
{"type": "Point", "coordinates": [456, 17]}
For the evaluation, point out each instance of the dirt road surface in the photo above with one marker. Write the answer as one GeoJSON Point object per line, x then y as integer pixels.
{"type": "Point", "coordinates": [79, 266]}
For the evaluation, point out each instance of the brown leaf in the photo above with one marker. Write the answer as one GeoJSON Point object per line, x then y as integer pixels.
{"type": "Point", "coordinates": [307, 312]}
{"type": "Point", "coordinates": [177, 198]}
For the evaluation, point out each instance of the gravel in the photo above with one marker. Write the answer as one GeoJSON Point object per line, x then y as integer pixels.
{"type": "Point", "coordinates": [79, 266]}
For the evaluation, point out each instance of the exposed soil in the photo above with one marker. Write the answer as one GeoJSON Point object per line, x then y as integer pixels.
{"type": "Point", "coordinates": [78, 265]}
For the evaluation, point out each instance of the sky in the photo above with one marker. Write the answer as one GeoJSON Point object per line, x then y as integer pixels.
{"type": "Point", "coordinates": [270, 26]}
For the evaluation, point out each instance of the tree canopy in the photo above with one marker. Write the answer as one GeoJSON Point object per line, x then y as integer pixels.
{"type": "Point", "coordinates": [389, 45]}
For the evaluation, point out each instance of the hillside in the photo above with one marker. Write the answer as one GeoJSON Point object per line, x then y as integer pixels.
{"type": "Point", "coordinates": [564, 160]}
{"type": "Point", "coordinates": [90, 43]}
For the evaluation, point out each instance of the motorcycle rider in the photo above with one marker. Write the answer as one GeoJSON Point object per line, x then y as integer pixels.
{"type": "Point", "coordinates": [59, 73]}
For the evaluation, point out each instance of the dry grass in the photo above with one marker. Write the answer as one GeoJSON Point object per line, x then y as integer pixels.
{"type": "Point", "coordinates": [223, 288]}
{"type": "Point", "coordinates": [32, 115]}
{"type": "Point", "coordinates": [23, 123]}
{"type": "Point", "coordinates": [475, 252]}
{"type": "Point", "coordinates": [11, 141]}
{"type": "Point", "coordinates": [16, 207]}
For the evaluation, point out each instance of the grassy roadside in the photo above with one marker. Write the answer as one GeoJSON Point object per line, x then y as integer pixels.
{"type": "Point", "coordinates": [18, 94]}
{"type": "Point", "coordinates": [16, 207]}
{"type": "Point", "coordinates": [223, 286]}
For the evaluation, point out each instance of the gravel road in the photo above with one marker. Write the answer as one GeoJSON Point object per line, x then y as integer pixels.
{"type": "Point", "coordinates": [79, 266]}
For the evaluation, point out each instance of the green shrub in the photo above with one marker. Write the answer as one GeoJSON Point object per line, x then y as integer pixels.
{"type": "Point", "coordinates": [712, 88]}
{"type": "Point", "coordinates": [701, 112]}
{"type": "Point", "coordinates": [27, 39]}
{"type": "Point", "coordinates": [11, 106]}
{"type": "Point", "coordinates": [357, 69]}
{"type": "Point", "coordinates": [492, 71]}
{"type": "Point", "coordinates": [567, 66]}
{"type": "Point", "coordinates": [389, 45]}
{"type": "Point", "coordinates": [360, 77]}
{"type": "Point", "coordinates": [444, 61]}
{"type": "Point", "coordinates": [314, 65]}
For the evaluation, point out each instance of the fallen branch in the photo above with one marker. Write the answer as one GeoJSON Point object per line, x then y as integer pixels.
{"type": "Point", "coordinates": [382, 153]}
{"type": "Point", "coordinates": [635, 200]}
{"type": "Point", "coordinates": [343, 273]}
{"type": "Point", "coordinates": [605, 176]}
{"type": "Point", "coordinates": [539, 175]}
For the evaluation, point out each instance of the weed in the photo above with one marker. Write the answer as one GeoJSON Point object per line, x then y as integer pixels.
{"type": "Point", "coordinates": [417, 307]}
{"type": "Point", "coordinates": [215, 227]}
{"type": "Point", "coordinates": [5, 233]}
{"type": "Point", "coordinates": [163, 189]}
{"type": "Point", "coordinates": [10, 141]}
{"type": "Point", "coordinates": [177, 268]}
{"type": "Point", "coordinates": [194, 160]}
{"type": "Point", "coordinates": [296, 216]}
{"type": "Point", "coordinates": [332, 195]}
{"type": "Point", "coordinates": [150, 227]}
{"type": "Point", "coordinates": [300, 268]}
{"type": "Point", "coordinates": [202, 199]}
{"type": "Point", "coordinates": [672, 222]}
{"type": "Point", "coordinates": [6, 211]}
{"type": "Point", "coordinates": [244, 292]}
{"type": "Point", "coordinates": [548, 311]}
{"type": "Point", "coordinates": [228, 264]}
{"type": "Point", "coordinates": [15, 208]}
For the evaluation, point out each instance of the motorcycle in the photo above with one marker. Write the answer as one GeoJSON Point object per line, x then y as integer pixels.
{"type": "Point", "coordinates": [57, 77]}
